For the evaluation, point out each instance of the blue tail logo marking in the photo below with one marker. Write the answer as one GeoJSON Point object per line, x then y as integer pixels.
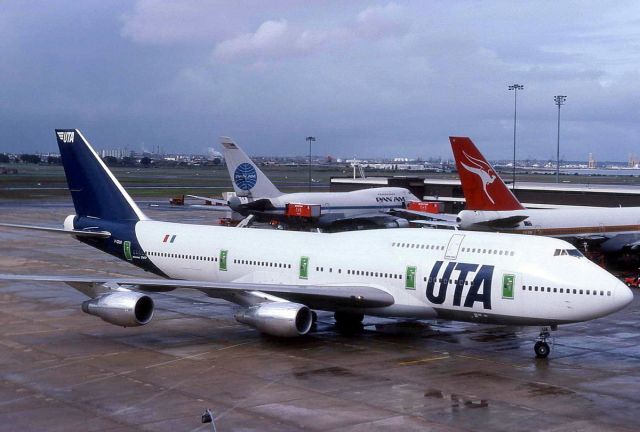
{"type": "Point", "coordinates": [245, 176]}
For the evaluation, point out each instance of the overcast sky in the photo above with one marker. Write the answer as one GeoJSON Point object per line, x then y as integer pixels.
{"type": "Point", "coordinates": [367, 78]}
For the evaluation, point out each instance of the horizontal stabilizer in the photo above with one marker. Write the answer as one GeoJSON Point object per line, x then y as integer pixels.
{"type": "Point", "coordinates": [353, 296]}
{"type": "Point", "coordinates": [77, 233]}
{"type": "Point", "coordinates": [505, 222]}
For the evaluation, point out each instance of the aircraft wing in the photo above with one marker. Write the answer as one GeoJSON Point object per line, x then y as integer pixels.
{"type": "Point", "coordinates": [187, 207]}
{"type": "Point", "coordinates": [629, 242]}
{"type": "Point", "coordinates": [77, 233]}
{"type": "Point", "coordinates": [445, 217]}
{"type": "Point", "coordinates": [436, 223]}
{"type": "Point", "coordinates": [213, 201]}
{"type": "Point", "coordinates": [314, 296]}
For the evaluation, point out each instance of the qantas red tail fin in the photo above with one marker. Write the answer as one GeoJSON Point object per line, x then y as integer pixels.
{"type": "Point", "coordinates": [482, 187]}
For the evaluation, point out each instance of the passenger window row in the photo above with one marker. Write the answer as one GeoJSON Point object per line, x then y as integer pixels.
{"type": "Point", "coordinates": [489, 251]}
{"type": "Point", "coordinates": [565, 290]}
{"type": "Point", "coordinates": [180, 256]}
{"type": "Point", "coordinates": [261, 263]}
{"type": "Point", "coordinates": [363, 273]}
{"type": "Point", "coordinates": [447, 281]}
{"type": "Point", "coordinates": [417, 246]}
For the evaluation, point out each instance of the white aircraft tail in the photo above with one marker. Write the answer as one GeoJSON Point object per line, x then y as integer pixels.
{"type": "Point", "coordinates": [247, 179]}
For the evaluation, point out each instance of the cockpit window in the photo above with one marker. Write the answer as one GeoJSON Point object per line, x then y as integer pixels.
{"type": "Point", "coordinates": [571, 252]}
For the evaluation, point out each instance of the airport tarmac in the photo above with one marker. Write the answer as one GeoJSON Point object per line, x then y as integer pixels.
{"type": "Point", "coordinates": [63, 370]}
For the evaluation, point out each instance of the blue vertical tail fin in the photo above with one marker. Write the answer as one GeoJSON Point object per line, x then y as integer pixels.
{"type": "Point", "coordinates": [96, 193]}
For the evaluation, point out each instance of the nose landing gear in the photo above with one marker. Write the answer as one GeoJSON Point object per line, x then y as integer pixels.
{"type": "Point", "coordinates": [541, 346]}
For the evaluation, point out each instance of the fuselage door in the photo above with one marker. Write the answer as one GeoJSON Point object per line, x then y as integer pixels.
{"type": "Point", "coordinates": [454, 246]}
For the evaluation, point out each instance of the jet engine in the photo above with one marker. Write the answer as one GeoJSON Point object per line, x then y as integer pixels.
{"type": "Point", "coordinates": [284, 319]}
{"type": "Point", "coordinates": [397, 223]}
{"type": "Point", "coordinates": [123, 308]}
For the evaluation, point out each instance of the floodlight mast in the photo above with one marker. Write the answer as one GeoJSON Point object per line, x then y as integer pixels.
{"type": "Point", "coordinates": [559, 100]}
{"type": "Point", "coordinates": [310, 139]}
{"type": "Point", "coordinates": [515, 88]}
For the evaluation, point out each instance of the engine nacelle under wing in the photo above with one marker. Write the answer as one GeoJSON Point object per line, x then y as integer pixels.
{"type": "Point", "coordinates": [123, 308]}
{"type": "Point", "coordinates": [284, 319]}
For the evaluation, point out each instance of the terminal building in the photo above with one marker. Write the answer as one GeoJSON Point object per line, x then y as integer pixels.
{"type": "Point", "coordinates": [530, 194]}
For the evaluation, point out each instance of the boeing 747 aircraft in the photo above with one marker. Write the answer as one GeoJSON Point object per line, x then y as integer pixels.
{"type": "Point", "coordinates": [280, 277]}
{"type": "Point", "coordinates": [491, 206]}
{"type": "Point", "coordinates": [257, 195]}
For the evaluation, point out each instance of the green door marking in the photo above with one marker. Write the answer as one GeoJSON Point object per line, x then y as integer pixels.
{"type": "Point", "coordinates": [410, 280]}
{"type": "Point", "coordinates": [304, 267]}
{"type": "Point", "coordinates": [223, 260]}
{"type": "Point", "coordinates": [127, 250]}
{"type": "Point", "coordinates": [507, 286]}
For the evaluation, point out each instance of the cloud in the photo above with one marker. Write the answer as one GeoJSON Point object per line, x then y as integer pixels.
{"type": "Point", "coordinates": [168, 22]}
{"type": "Point", "coordinates": [382, 21]}
{"type": "Point", "coordinates": [368, 77]}
{"type": "Point", "coordinates": [278, 39]}
{"type": "Point", "coordinates": [271, 38]}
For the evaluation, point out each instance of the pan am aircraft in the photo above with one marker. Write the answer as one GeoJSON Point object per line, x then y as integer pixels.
{"type": "Point", "coordinates": [280, 277]}
{"type": "Point", "coordinates": [256, 195]}
{"type": "Point", "coordinates": [491, 206]}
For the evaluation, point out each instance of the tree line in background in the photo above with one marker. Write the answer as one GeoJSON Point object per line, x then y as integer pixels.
{"type": "Point", "coordinates": [30, 158]}
{"type": "Point", "coordinates": [108, 160]}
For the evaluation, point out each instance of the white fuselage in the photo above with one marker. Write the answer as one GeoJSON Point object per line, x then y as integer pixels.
{"type": "Point", "coordinates": [559, 222]}
{"type": "Point", "coordinates": [349, 203]}
{"type": "Point", "coordinates": [460, 275]}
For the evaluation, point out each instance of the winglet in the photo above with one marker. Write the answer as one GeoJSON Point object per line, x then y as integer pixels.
{"type": "Point", "coordinates": [482, 187]}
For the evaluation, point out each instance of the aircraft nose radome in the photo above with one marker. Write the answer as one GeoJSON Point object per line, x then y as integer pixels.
{"type": "Point", "coordinates": [623, 295]}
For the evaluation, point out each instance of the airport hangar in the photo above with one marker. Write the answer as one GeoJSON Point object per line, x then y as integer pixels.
{"type": "Point", "coordinates": [531, 194]}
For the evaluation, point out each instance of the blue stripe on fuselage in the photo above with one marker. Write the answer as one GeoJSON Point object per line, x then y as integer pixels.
{"type": "Point", "coordinates": [121, 233]}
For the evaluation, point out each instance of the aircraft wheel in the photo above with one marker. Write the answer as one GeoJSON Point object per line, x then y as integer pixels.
{"type": "Point", "coordinates": [542, 349]}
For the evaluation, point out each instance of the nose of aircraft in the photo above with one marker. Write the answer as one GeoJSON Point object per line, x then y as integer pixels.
{"type": "Point", "coordinates": [622, 295]}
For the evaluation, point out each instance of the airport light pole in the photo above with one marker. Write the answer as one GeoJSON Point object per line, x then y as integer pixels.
{"type": "Point", "coordinates": [310, 139]}
{"type": "Point", "coordinates": [559, 100]}
{"type": "Point", "coordinates": [515, 88]}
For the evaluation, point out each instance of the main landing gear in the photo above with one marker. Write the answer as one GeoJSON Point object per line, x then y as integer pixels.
{"type": "Point", "coordinates": [347, 319]}
{"type": "Point", "coordinates": [349, 323]}
{"type": "Point", "coordinates": [541, 346]}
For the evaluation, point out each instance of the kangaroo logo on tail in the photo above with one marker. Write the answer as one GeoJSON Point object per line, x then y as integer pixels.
{"type": "Point", "coordinates": [482, 170]}
{"type": "Point", "coordinates": [482, 186]}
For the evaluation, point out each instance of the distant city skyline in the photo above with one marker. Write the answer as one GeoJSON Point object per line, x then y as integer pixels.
{"type": "Point", "coordinates": [366, 78]}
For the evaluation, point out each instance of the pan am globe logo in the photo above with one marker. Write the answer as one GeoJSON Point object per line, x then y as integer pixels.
{"type": "Point", "coordinates": [245, 176]}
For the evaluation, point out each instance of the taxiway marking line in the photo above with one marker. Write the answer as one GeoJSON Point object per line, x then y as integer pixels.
{"type": "Point", "coordinates": [424, 360]}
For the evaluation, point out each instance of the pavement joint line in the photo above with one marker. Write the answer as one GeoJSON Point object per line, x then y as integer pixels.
{"type": "Point", "coordinates": [424, 360]}
{"type": "Point", "coordinates": [32, 332]}
{"type": "Point", "coordinates": [161, 392]}
{"type": "Point", "coordinates": [189, 357]}
{"type": "Point", "coordinates": [235, 346]}
{"type": "Point", "coordinates": [517, 366]}
{"type": "Point", "coordinates": [248, 397]}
